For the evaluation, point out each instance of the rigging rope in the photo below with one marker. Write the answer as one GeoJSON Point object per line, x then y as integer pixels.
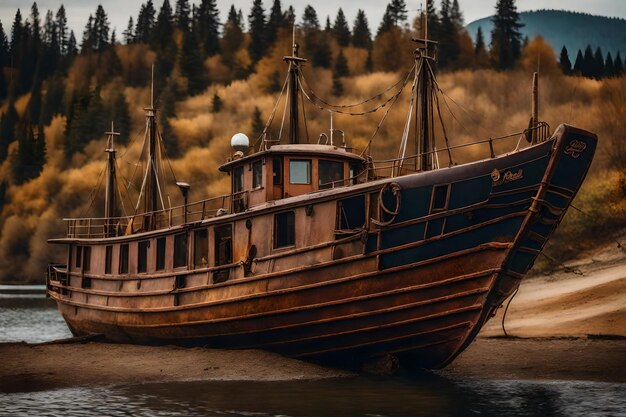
{"type": "Point", "coordinates": [272, 114]}
{"type": "Point", "coordinates": [362, 113]}
{"type": "Point", "coordinates": [345, 106]}
{"type": "Point", "coordinates": [395, 98]}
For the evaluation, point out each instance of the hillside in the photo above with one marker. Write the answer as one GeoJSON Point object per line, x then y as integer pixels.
{"type": "Point", "coordinates": [574, 30]}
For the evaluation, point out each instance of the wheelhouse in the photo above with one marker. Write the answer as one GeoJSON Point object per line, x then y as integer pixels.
{"type": "Point", "coordinates": [291, 170]}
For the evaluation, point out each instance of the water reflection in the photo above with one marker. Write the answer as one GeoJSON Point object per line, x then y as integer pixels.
{"type": "Point", "coordinates": [26, 315]}
{"type": "Point", "coordinates": [398, 396]}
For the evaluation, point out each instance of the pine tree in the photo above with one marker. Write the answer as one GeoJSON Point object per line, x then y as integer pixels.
{"type": "Point", "coordinates": [31, 141]}
{"type": "Point", "coordinates": [181, 16]}
{"type": "Point", "coordinates": [315, 41]}
{"type": "Point", "coordinates": [564, 62]}
{"type": "Point", "coordinates": [361, 35]}
{"type": "Point", "coordinates": [598, 64]}
{"type": "Point", "coordinates": [233, 37]}
{"type": "Point", "coordinates": [129, 32]}
{"type": "Point", "coordinates": [51, 52]}
{"type": "Point", "coordinates": [618, 65]}
{"type": "Point", "coordinates": [506, 39]}
{"type": "Point", "coordinates": [87, 45]}
{"type": "Point", "coordinates": [5, 61]}
{"type": "Point", "coordinates": [328, 28]}
{"type": "Point", "coordinates": [258, 43]}
{"type": "Point", "coordinates": [168, 111]}
{"type": "Point", "coordinates": [588, 69]}
{"type": "Point", "coordinates": [341, 29]}
{"type": "Point", "coordinates": [191, 65]}
{"type": "Point", "coordinates": [164, 27]}
{"type": "Point", "coordinates": [62, 35]}
{"type": "Point", "coordinates": [145, 23]}
{"type": "Point", "coordinates": [609, 67]}
{"type": "Point", "coordinates": [216, 103]}
{"type": "Point", "coordinates": [434, 24]}
{"type": "Point", "coordinates": [120, 115]}
{"type": "Point", "coordinates": [16, 34]}
{"type": "Point", "coordinates": [456, 16]}
{"type": "Point", "coordinates": [310, 22]}
{"type": "Point", "coordinates": [53, 103]}
{"type": "Point", "coordinates": [341, 65]}
{"type": "Point", "coordinates": [208, 24]}
{"type": "Point", "coordinates": [579, 64]}
{"type": "Point", "coordinates": [7, 128]}
{"type": "Point", "coordinates": [290, 17]}
{"type": "Point", "coordinates": [480, 41]}
{"type": "Point", "coordinates": [481, 56]}
{"type": "Point", "coordinates": [72, 46]}
{"type": "Point", "coordinates": [275, 22]}
{"type": "Point", "coordinates": [100, 30]}
{"type": "Point", "coordinates": [257, 123]}
{"type": "Point", "coordinates": [337, 86]}
{"type": "Point", "coordinates": [448, 40]}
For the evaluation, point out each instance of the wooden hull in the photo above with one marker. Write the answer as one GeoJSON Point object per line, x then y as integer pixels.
{"type": "Point", "coordinates": [419, 287]}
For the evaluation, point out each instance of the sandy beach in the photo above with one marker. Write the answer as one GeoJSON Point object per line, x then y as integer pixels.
{"type": "Point", "coordinates": [569, 325]}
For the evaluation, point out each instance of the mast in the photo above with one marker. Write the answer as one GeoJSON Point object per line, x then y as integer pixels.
{"type": "Point", "coordinates": [151, 190]}
{"type": "Point", "coordinates": [535, 108]}
{"type": "Point", "coordinates": [424, 139]}
{"type": "Point", "coordinates": [294, 69]}
{"type": "Point", "coordinates": [110, 204]}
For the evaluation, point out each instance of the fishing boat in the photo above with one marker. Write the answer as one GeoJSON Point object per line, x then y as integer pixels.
{"type": "Point", "coordinates": [319, 251]}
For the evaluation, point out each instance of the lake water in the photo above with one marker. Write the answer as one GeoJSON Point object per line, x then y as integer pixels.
{"type": "Point", "coordinates": [27, 315]}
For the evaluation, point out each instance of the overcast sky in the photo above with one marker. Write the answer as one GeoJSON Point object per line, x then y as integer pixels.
{"type": "Point", "coordinates": [120, 10]}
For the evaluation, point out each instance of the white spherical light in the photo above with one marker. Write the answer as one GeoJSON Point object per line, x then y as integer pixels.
{"type": "Point", "coordinates": [240, 142]}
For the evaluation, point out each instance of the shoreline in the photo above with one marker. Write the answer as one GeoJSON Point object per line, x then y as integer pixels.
{"type": "Point", "coordinates": [53, 366]}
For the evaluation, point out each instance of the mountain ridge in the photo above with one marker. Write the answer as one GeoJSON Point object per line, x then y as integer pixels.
{"type": "Point", "coordinates": [575, 30]}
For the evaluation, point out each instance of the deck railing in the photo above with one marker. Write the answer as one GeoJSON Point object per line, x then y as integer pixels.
{"type": "Point", "coordinates": [93, 228]}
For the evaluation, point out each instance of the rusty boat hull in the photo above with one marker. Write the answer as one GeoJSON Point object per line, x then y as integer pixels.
{"type": "Point", "coordinates": [419, 283]}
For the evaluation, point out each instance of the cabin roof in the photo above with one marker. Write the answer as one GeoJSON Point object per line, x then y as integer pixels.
{"type": "Point", "coordinates": [296, 149]}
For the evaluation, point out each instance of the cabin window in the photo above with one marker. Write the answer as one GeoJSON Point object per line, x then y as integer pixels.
{"type": "Point", "coordinates": [351, 213]}
{"type": "Point", "coordinates": [277, 171]}
{"type": "Point", "coordinates": [201, 248]}
{"type": "Point", "coordinates": [284, 229]}
{"type": "Point", "coordinates": [124, 258]}
{"type": "Point", "coordinates": [142, 256]}
{"type": "Point", "coordinates": [330, 174]}
{"type": "Point", "coordinates": [237, 180]}
{"type": "Point", "coordinates": [440, 198]}
{"type": "Point", "coordinates": [86, 258]}
{"type": "Point", "coordinates": [300, 171]}
{"type": "Point", "coordinates": [257, 174]}
{"type": "Point", "coordinates": [353, 172]}
{"type": "Point", "coordinates": [108, 259]}
{"type": "Point", "coordinates": [160, 254]}
{"type": "Point", "coordinates": [79, 256]}
{"type": "Point", "coordinates": [180, 250]}
{"type": "Point", "coordinates": [223, 245]}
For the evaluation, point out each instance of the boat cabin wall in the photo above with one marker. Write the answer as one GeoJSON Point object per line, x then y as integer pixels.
{"type": "Point", "coordinates": [274, 177]}
{"type": "Point", "coordinates": [207, 250]}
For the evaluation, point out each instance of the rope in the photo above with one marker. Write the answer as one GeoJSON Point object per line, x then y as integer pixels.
{"type": "Point", "coordinates": [382, 120]}
{"type": "Point", "coordinates": [271, 117]}
{"type": "Point", "coordinates": [507, 309]}
{"type": "Point", "coordinates": [363, 113]}
{"type": "Point", "coordinates": [347, 106]}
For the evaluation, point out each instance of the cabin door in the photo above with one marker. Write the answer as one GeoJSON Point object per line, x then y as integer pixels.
{"type": "Point", "coordinates": [277, 178]}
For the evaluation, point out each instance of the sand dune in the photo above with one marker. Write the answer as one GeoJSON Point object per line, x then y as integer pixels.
{"type": "Point", "coordinates": [586, 298]}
